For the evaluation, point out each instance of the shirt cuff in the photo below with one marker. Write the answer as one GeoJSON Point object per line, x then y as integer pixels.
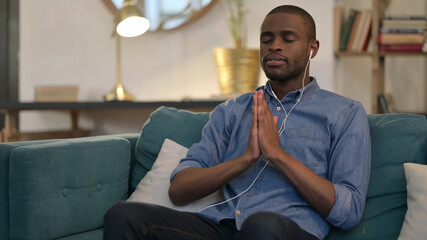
{"type": "Point", "coordinates": [341, 209]}
{"type": "Point", "coordinates": [183, 165]}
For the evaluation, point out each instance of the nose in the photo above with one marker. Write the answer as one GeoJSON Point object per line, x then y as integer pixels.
{"type": "Point", "coordinates": [276, 45]}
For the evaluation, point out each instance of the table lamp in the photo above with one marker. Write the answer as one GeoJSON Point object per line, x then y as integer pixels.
{"type": "Point", "coordinates": [130, 23]}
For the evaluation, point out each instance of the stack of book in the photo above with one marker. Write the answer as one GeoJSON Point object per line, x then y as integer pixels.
{"type": "Point", "coordinates": [403, 34]}
{"type": "Point", "coordinates": [352, 31]}
{"type": "Point", "coordinates": [56, 93]}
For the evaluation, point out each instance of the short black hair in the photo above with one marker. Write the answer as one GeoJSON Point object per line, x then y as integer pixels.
{"type": "Point", "coordinates": [308, 19]}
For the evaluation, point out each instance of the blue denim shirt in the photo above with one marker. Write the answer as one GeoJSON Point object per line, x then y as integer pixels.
{"type": "Point", "coordinates": [326, 132]}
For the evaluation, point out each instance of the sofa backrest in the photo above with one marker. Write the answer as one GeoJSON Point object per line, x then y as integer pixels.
{"type": "Point", "coordinates": [181, 126]}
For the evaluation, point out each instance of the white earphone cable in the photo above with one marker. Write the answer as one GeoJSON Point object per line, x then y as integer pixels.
{"type": "Point", "coordinates": [238, 195]}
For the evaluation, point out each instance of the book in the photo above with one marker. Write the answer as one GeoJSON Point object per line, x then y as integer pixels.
{"type": "Point", "coordinates": [338, 22]}
{"type": "Point", "coordinates": [386, 103]}
{"type": "Point", "coordinates": [400, 38]}
{"type": "Point", "coordinates": [393, 24]}
{"type": "Point", "coordinates": [359, 27]}
{"type": "Point", "coordinates": [406, 17]}
{"type": "Point", "coordinates": [346, 30]}
{"type": "Point", "coordinates": [362, 31]}
{"type": "Point", "coordinates": [418, 47]}
{"type": "Point", "coordinates": [56, 93]}
{"type": "Point", "coordinates": [382, 102]}
{"type": "Point", "coordinates": [365, 34]}
{"type": "Point", "coordinates": [353, 32]}
{"type": "Point", "coordinates": [401, 30]}
{"type": "Point", "coordinates": [367, 39]}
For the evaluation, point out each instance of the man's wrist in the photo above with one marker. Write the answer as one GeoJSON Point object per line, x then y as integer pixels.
{"type": "Point", "coordinates": [248, 159]}
{"type": "Point", "coordinates": [276, 156]}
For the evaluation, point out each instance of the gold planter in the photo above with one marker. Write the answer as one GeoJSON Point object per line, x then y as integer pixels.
{"type": "Point", "coordinates": [238, 69]}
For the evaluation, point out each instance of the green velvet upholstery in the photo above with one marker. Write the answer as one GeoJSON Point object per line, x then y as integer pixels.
{"type": "Point", "coordinates": [13, 229]}
{"type": "Point", "coordinates": [5, 151]}
{"type": "Point", "coordinates": [181, 126]}
{"type": "Point", "coordinates": [53, 182]}
{"type": "Point", "coordinates": [396, 139]}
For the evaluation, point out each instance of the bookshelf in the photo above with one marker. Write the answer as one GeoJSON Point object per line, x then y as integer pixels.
{"type": "Point", "coordinates": [373, 52]}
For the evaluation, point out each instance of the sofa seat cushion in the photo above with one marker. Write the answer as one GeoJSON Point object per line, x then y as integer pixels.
{"type": "Point", "coordinates": [396, 139]}
{"type": "Point", "coordinates": [91, 235]}
{"type": "Point", "coordinates": [60, 188]}
{"type": "Point", "coordinates": [181, 126]}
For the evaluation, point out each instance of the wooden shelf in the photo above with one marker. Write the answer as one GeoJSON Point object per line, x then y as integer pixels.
{"type": "Point", "coordinates": [378, 57]}
{"type": "Point", "coordinates": [10, 110]}
{"type": "Point", "coordinates": [107, 105]}
{"type": "Point", "coordinates": [383, 54]}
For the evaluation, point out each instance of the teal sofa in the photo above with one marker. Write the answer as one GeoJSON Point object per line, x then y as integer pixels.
{"type": "Point", "coordinates": [60, 189]}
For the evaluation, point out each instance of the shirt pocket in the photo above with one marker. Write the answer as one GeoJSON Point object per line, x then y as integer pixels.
{"type": "Point", "coordinates": [308, 146]}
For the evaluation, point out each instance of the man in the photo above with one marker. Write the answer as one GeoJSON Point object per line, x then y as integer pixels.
{"type": "Point", "coordinates": [291, 159]}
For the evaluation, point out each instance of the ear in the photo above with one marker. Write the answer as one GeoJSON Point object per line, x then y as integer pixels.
{"type": "Point", "coordinates": [314, 48]}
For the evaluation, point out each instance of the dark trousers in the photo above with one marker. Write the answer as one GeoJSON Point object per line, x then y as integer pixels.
{"type": "Point", "coordinates": [130, 220]}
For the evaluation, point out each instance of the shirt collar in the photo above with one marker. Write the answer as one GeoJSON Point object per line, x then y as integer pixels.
{"type": "Point", "coordinates": [309, 90]}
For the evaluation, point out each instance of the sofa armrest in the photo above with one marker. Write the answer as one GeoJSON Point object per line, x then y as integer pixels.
{"type": "Point", "coordinates": [64, 187]}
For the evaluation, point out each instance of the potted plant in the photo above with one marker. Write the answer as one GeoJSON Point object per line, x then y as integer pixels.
{"type": "Point", "coordinates": [238, 68]}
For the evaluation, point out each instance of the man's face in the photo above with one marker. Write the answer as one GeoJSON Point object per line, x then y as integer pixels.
{"type": "Point", "coordinates": [283, 46]}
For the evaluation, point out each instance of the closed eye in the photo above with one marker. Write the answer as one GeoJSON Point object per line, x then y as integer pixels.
{"type": "Point", "coordinates": [266, 37]}
{"type": "Point", "coordinates": [265, 41]}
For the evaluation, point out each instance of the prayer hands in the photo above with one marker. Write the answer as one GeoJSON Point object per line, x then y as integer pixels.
{"type": "Point", "coordinates": [263, 138]}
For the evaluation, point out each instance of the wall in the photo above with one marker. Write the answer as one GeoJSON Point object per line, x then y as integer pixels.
{"type": "Point", "coordinates": [70, 43]}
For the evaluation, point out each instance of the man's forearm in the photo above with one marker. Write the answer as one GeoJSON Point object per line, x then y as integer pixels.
{"type": "Point", "coordinates": [317, 191]}
{"type": "Point", "coordinates": [194, 183]}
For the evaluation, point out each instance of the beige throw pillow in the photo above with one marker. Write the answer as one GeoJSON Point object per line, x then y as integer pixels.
{"type": "Point", "coordinates": [415, 224]}
{"type": "Point", "coordinates": [153, 188]}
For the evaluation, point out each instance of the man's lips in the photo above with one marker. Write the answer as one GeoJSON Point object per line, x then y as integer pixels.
{"type": "Point", "coordinates": [274, 63]}
{"type": "Point", "coordinates": [274, 60]}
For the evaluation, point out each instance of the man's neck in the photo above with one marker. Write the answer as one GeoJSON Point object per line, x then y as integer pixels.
{"type": "Point", "coordinates": [281, 89]}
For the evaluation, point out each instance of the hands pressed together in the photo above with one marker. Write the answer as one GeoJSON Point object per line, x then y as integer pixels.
{"type": "Point", "coordinates": [264, 137]}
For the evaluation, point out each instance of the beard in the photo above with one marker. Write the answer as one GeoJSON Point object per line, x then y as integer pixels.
{"type": "Point", "coordinates": [284, 76]}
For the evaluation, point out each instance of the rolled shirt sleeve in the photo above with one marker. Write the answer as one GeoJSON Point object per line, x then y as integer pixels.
{"type": "Point", "coordinates": [212, 146]}
{"type": "Point", "coordinates": [349, 167]}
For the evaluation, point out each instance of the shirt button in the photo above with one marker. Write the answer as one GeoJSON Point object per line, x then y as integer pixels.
{"type": "Point", "coordinates": [278, 108]}
{"type": "Point", "coordinates": [258, 178]}
{"type": "Point", "coordinates": [249, 195]}
{"type": "Point", "coordinates": [237, 212]}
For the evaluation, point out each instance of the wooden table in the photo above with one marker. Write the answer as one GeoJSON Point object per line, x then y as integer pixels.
{"type": "Point", "coordinates": [11, 132]}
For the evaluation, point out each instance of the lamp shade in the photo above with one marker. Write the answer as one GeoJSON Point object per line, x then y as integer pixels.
{"type": "Point", "coordinates": [131, 23]}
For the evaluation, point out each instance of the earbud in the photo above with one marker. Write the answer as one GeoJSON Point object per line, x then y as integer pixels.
{"type": "Point", "coordinates": [311, 53]}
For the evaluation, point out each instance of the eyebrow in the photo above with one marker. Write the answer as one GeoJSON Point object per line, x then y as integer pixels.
{"type": "Point", "coordinates": [282, 33]}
